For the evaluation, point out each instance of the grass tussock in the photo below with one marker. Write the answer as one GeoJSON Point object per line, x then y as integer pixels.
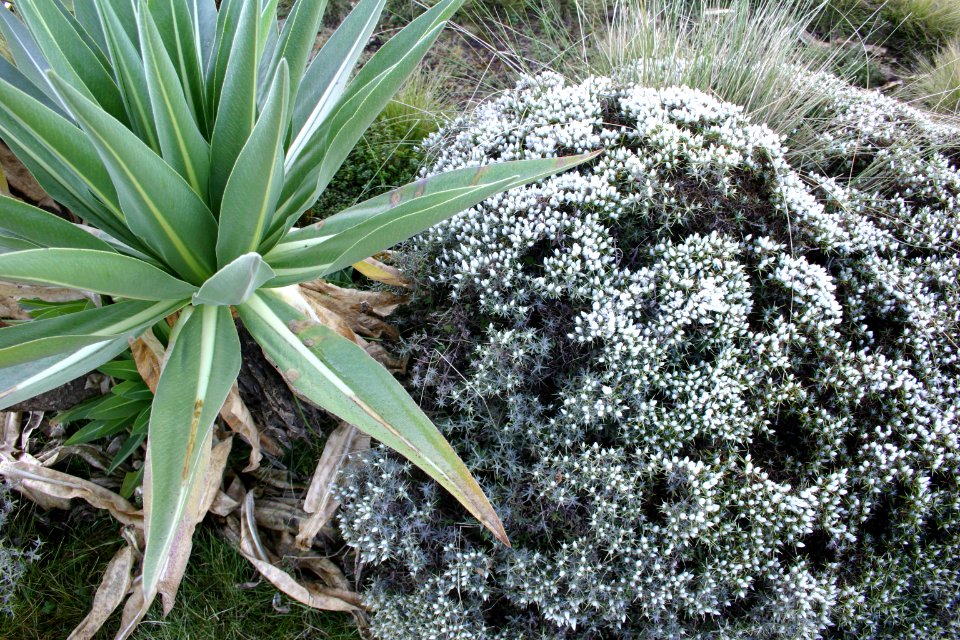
{"type": "Point", "coordinates": [748, 52]}
{"type": "Point", "coordinates": [937, 83]}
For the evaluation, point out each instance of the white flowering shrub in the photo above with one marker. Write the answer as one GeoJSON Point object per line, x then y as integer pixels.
{"type": "Point", "coordinates": [711, 395]}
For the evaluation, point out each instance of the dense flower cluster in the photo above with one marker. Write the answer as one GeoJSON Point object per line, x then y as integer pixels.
{"type": "Point", "coordinates": [711, 395]}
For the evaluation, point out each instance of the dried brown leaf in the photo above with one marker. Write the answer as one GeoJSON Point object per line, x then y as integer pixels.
{"type": "Point", "coordinates": [393, 364]}
{"type": "Point", "coordinates": [134, 611]}
{"type": "Point", "coordinates": [94, 456]}
{"type": "Point", "coordinates": [49, 294]}
{"type": "Point", "coordinates": [148, 355]}
{"type": "Point", "coordinates": [276, 478]}
{"type": "Point", "coordinates": [238, 418]}
{"type": "Point", "coordinates": [312, 595]}
{"type": "Point", "coordinates": [21, 181]}
{"type": "Point", "coordinates": [223, 505]}
{"type": "Point", "coordinates": [58, 486]}
{"type": "Point", "coordinates": [113, 589]}
{"type": "Point", "coordinates": [199, 503]}
{"type": "Point", "coordinates": [376, 270]}
{"type": "Point", "coordinates": [327, 571]}
{"type": "Point", "coordinates": [10, 309]}
{"type": "Point", "coordinates": [363, 311]}
{"type": "Point", "coordinates": [319, 501]}
{"type": "Point", "coordinates": [380, 303]}
{"type": "Point", "coordinates": [279, 516]}
{"type": "Point", "coordinates": [11, 429]}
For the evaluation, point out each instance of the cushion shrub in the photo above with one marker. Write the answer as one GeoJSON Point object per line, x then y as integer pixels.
{"type": "Point", "coordinates": [712, 395]}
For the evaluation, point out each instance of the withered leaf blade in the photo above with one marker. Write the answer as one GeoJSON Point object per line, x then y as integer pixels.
{"type": "Point", "coordinates": [381, 272]}
{"type": "Point", "coordinates": [319, 502]}
{"type": "Point", "coordinates": [113, 589]}
{"type": "Point", "coordinates": [235, 413]}
{"type": "Point", "coordinates": [134, 611]}
{"type": "Point", "coordinates": [312, 595]}
{"type": "Point", "coordinates": [62, 486]}
{"type": "Point", "coordinates": [201, 500]}
{"type": "Point", "coordinates": [148, 356]}
{"type": "Point", "coordinates": [16, 291]}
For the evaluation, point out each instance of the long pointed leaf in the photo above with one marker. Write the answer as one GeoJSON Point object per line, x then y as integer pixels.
{"type": "Point", "coordinates": [228, 18]}
{"type": "Point", "coordinates": [297, 40]}
{"type": "Point", "coordinates": [23, 381]}
{"type": "Point", "coordinates": [184, 147]}
{"type": "Point", "coordinates": [16, 78]}
{"type": "Point", "coordinates": [254, 186]}
{"type": "Point", "coordinates": [89, 19]}
{"type": "Point", "coordinates": [26, 53]}
{"type": "Point", "coordinates": [104, 428]}
{"type": "Point", "coordinates": [130, 73]}
{"type": "Point", "coordinates": [363, 230]}
{"type": "Point", "coordinates": [174, 22]}
{"type": "Point", "coordinates": [70, 56]}
{"type": "Point", "coordinates": [62, 160]}
{"type": "Point", "coordinates": [70, 15]}
{"type": "Point", "coordinates": [331, 144]}
{"type": "Point", "coordinates": [110, 274]}
{"type": "Point", "coordinates": [10, 243]}
{"type": "Point", "coordinates": [204, 16]}
{"type": "Point", "coordinates": [159, 205]}
{"type": "Point", "coordinates": [203, 363]}
{"type": "Point", "coordinates": [267, 25]}
{"type": "Point", "coordinates": [339, 376]}
{"type": "Point", "coordinates": [138, 433]}
{"type": "Point", "coordinates": [324, 82]}
{"type": "Point", "coordinates": [44, 229]}
{"type": "Point", "coordinates": [38, 339]}
{"type": "Point", "coordinates": [237, 109]}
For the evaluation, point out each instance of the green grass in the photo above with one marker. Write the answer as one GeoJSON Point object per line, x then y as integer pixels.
{"type": "Point", "coordinates": [911, 29]}
{"type": "Point", "coordinates": [937, 83]}
{"type": "Point", "coordinates": [57, 590]}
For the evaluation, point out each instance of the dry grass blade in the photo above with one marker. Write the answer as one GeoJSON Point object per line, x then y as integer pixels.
{"type": "Point", "coordinates": [311, 595]}
{"type": "Point", "coordinates": [113, 589]}
{"type": "Point", "coordinates": [39, 480]}
{"type": "Point", "coordinates": [319, 502]}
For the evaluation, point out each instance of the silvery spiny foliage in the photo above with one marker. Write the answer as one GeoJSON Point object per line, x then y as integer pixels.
{"type": "Point", "coordinates": [13, 560]}
{"type": "Point", "coordinates": [710, 395]}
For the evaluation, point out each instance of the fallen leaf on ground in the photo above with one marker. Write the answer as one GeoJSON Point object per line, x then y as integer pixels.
{"type": "Point", "coordinates": [312, 595]}
{"type": "Point", "coordinates": [59, 486]}
{"type": "Point", "coordinates": [111, 592]}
